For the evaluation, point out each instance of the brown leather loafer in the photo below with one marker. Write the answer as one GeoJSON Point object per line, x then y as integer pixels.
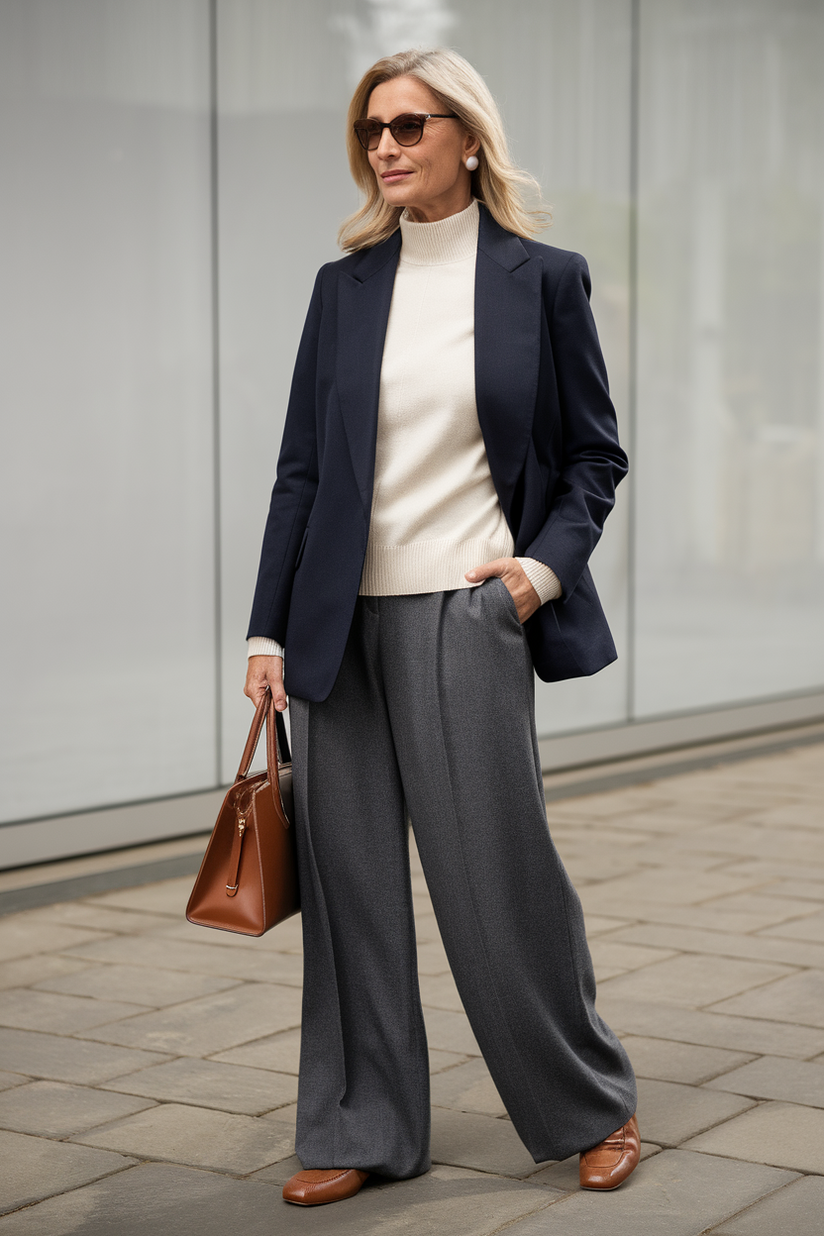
{"type": "Point", "coordinates": [608, 1164]}
{"type": "Point", "coordinates": [315, 1188]}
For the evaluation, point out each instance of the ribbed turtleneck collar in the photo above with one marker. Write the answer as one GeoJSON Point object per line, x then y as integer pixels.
{"type": "Point", "coordinates": [448, 240]}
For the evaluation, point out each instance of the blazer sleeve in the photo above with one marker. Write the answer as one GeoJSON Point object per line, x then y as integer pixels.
{"type": "Point", "coordinates": [592, 461]}
{"type": "Point", "coordinates": [295, 487]}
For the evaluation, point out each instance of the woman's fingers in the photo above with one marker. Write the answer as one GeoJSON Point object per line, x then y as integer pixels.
{"type": "Point", "coordinates": [513, 575]}
{"type": "Point", "coordinates": [489, 569]}
{"type": "Point", "coordinates": [262, 672]}
{"type": "Point", "coordinates": [276, 685]}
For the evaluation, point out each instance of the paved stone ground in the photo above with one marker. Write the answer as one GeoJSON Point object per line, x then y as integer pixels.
{"type": "Point", "coordinates": [151, 1066]}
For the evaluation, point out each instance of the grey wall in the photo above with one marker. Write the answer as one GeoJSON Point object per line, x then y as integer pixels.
{"type": "Point", "coordinates": [174, 174]}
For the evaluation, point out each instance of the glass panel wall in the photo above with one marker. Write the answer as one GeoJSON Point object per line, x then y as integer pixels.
{"type": "Point", "coordinates": [108, 635]}
{"type": "Point", "coordinates": [729, 463]}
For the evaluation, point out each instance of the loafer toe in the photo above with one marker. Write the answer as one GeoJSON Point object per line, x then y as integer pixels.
{"type": "Point", "coordinates": [316, 1188]}
{"type": "Point", "coordinates": [607, 1165]}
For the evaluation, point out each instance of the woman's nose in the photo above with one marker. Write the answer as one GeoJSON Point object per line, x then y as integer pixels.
{"type": "Point", "coordinates": [387, 147]}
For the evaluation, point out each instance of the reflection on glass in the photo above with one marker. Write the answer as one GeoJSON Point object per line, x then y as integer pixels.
{"type": "Point", "coordinates": [383, 27]}
{"type": "Point", "coordinates": [108, 638]}
{"type": "Point", "coordinates": [730, 602]}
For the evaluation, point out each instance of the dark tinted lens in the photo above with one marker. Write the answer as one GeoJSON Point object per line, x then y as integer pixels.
{"type": "Point", "coordinates": [407, 130]}
{"type": "Point", "coordinates": [368, 134]}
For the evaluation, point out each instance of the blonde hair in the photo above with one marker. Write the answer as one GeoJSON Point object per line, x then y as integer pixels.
{"type": "Point", "coordinates": [460, 89]}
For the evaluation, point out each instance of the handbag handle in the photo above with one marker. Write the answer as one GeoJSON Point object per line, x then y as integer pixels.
{"type": "Point", "coordinates": [277, 744]}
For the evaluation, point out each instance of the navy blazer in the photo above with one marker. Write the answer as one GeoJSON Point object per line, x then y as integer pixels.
{"type": "Point", "coordinates": [548, 425]}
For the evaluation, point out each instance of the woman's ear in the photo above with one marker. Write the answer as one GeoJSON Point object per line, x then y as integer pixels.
{"type": "Point", "coordinates": [472, 145]}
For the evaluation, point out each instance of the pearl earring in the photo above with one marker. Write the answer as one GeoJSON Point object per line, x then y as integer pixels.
{"type": "Point", "coordinates": [471, 163]}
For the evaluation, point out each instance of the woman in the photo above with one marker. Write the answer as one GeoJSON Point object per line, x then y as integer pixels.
{"type": "Point", "coordinates": [449, 456]}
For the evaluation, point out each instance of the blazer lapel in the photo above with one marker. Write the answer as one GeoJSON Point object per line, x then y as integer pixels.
{"type": "Point", "coordinates": [507, 350]}
{"type": "Point", "coordinates": [364, 297]}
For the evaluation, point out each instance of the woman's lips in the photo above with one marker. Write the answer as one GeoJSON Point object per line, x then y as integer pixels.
{"type": "Point", "coordinates": [391, 178]}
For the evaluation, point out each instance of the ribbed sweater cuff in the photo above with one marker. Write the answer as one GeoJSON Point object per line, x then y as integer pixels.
{"type": "Point", "coordinates": [260, 646]}
{"type": "Point", "coordinates": [543, 579]}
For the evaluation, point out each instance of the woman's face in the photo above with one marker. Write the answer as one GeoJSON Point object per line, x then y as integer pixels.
{"type": "Point", "coordinates": [429, 179]}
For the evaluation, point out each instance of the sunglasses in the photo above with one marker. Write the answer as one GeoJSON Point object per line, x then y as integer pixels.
{"type": "Point", "coordinates": [407, 129]}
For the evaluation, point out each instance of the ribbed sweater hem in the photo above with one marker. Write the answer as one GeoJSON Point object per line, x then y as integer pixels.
{"type": "Point", "coordinates": [427, 566]}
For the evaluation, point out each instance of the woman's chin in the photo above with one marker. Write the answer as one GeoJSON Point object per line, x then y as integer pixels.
{"type": "Point", "coordinates": [398, 198]}
{"type": "Point", "coordinates": [401, 194]}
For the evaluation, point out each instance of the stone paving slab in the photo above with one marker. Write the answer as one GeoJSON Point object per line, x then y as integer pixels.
{"type": "Point", "coordinates": [482, 1143]}
{"type": "Point", "coordinates": [675, 1193]}
{"type": "Point", "coordinates": [196, 1136]}
{"type": "Point", "coordinates": [759, 868]}
{"type": "Point", "coordinates": [23, 1009]}
{"type": "Point", "coordinates": [24, 970]}
{"type": "Point", "coordinates": [745, 839]}
{"type": "Point", "coordinates": [450, 1032]}
{"type": "Point", "coordinates": [432, 958]}
{"type": "Point", "coordinates": [718, 942]}
{"type": "Point", "coordinates": [797, 998]}
{"type": "Point", "coordinates": [207, 1083]}
{"type": "Point", "coordinates": [158, 1200]}
{"type": "Point", "coordinates": [703, 918]}
{"type": "Point", "coordinates": [438, 991]}
{"type": "Point", "coordinates": [55, 1109]}
{"type": "Point", "coordinates": [664, 1060]}
{"type": "Point", "coordinates": [615, 953]}
{"type": "Point", "coordinates": [152, 951]}
{"type": "Point", "coordinates": [662, 886]}
{"type": "Point", "coordinates": [772, 910]}
{"type": "Point", "coordinates": [72, 1060]}
{"type": "Point", "coordinates": [285, 1117]}
{"type": "Point", "coordinates": [152, 988]}
{"type": "Point", "coordinates": [7, 1080]}
{"type": "Point", "coordinates": [167, 897]}
{"type": "Point", "coordinates": [100, 918]}
{"type": "Point", "coordinates": [795, 890]}
{"type": "Point", "coordinates": [35, 1167]}
{"type": "Point", "coordinates": [598, 924]}
{"type": "Point", "coordinates": [153, 1199]}
{"type": "Point", "coordinates": [441, 1060]}
{"type": "Point", "coordinates": [712, 1029]}
{"type": "Point", "coordinates": [795, 1210]}
{"type": "Point", "coordinates": [808, 928]}
{"type": "Point", "coordinates": [213, 1023]}
{"type": "Point", "coordinates": [279, 1052]}
{"type": "Point", "coordinates": [467, 1088]}
{"type": "Point", "coordinates": [690, 981]}
{"type": "Point", "coordinates": [22, 936]}
{"type": "Point", "coordinates": [279, 1173]}
{"type": "Point", "coordinates": [771, 1077]}
{"type": "Point", "coordinates": [784, 1134]}
{"type": "Point", "coordinates": [669, 1113]}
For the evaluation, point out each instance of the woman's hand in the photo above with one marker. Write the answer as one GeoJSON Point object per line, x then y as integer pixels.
{"type": "Point", "coordinates": [514, 576]}
{"type": "Point", "coordinates": [263, 670]}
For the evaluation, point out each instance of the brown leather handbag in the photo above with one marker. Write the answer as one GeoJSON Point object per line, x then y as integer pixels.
{"type": "Point", "coordinates": [248, 880]}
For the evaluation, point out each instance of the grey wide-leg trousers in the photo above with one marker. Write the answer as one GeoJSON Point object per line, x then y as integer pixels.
{"type": "Point", "coordinates": [432, 713]}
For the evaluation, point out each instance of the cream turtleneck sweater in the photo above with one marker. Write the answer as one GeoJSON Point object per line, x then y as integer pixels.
{"type": "Point", "coordinates": [435, 511]}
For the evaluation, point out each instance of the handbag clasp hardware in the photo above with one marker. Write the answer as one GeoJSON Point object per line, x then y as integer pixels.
{"type": "Point", "coordinates": [231, 889]}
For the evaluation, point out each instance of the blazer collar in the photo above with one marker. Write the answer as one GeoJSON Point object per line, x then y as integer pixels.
{"type": "Point", "coordinates": [503, 247]}
{"type": "Point", "coordinates": [369, 262]}
{"type": "Point", "coordinates": [507, 350]}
